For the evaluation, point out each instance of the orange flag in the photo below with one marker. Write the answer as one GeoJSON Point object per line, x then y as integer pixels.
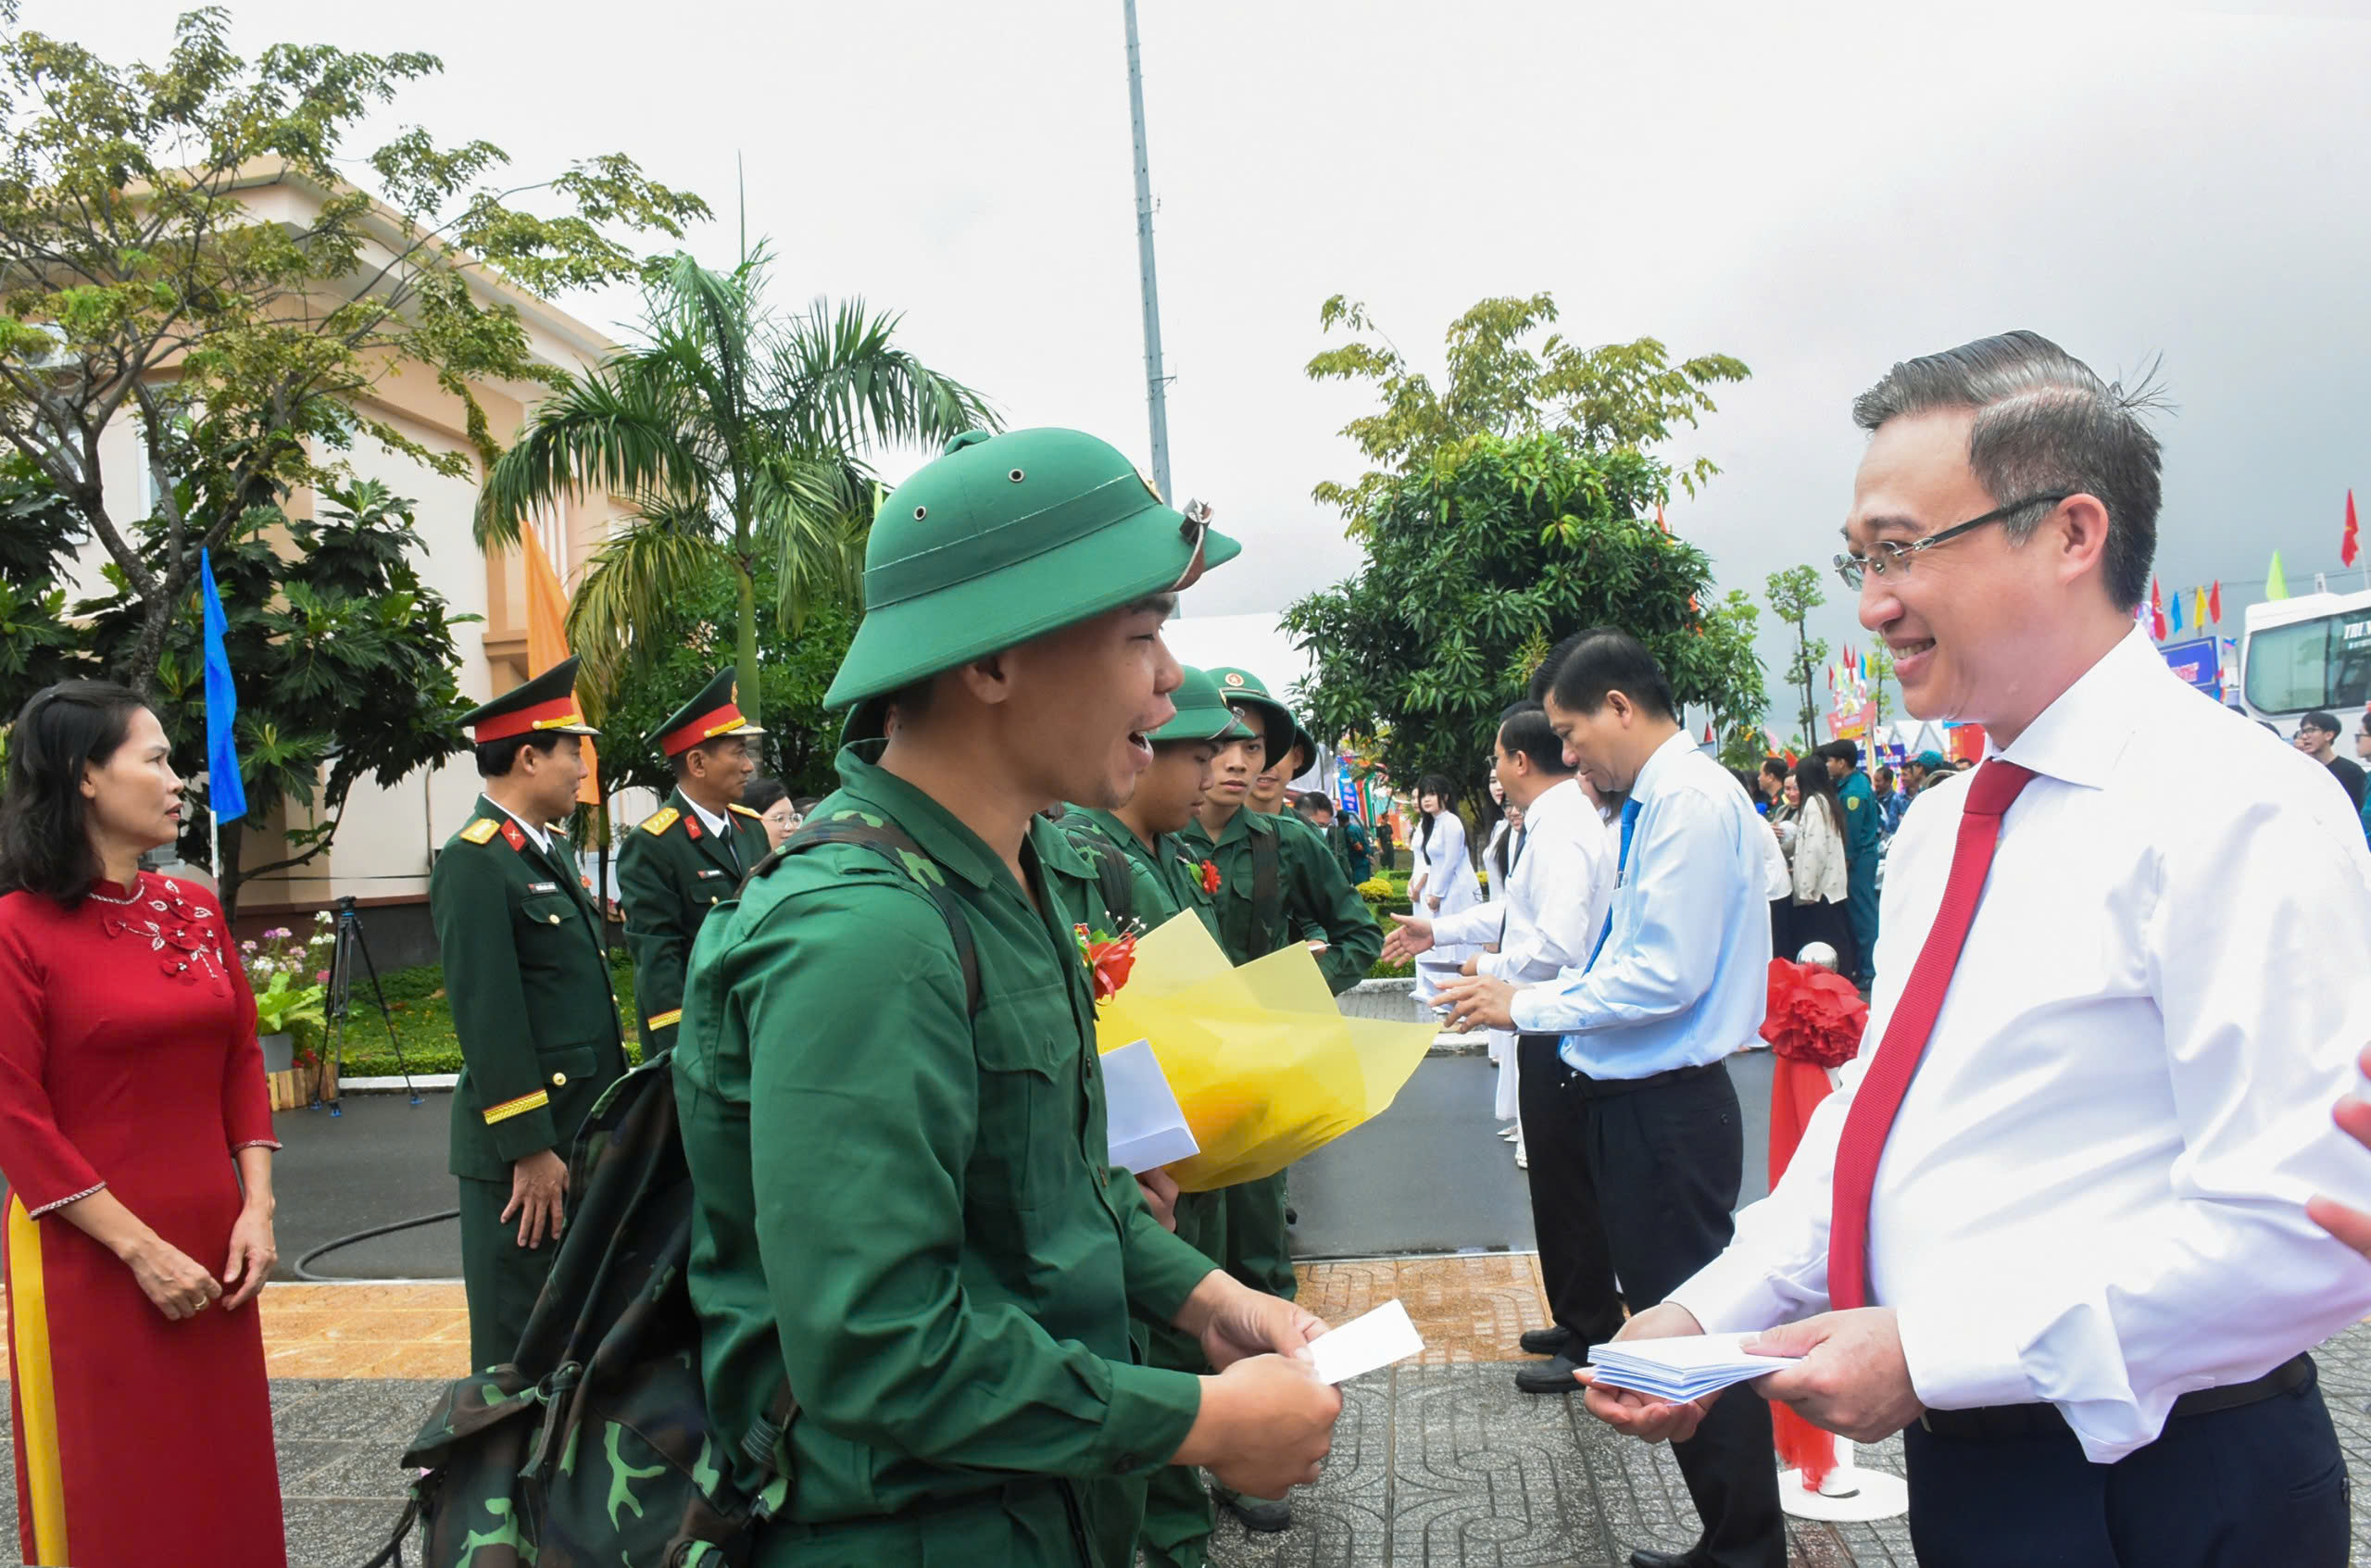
{"type": "Point", "coordinates": [547, 633]}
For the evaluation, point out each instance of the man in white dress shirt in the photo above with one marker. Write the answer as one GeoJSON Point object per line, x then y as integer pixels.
{"type": "Point", "coordinates": [1674, 985]}
{"type": "Point", "coordinates": [2053, 1226]}
{"type": "Point", "coordinates": [1549, 920]}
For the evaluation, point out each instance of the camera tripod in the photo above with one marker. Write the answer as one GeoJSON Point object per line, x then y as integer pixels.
{"type": "Point", "coordinates": [340, 1000]}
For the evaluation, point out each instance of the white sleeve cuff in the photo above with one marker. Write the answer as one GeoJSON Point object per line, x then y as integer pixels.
{"type": "Point", "coordinates": [1964, 1356]}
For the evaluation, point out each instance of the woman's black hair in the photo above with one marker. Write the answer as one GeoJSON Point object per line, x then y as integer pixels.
{"type": "Point", "coordinates": [45, 822]}
{"type": "Point", "coordinates": [1811, 777]}
{"type": "Point", "coordinates": [760, 794]}
{"type": "Point", "coordinates": [1439, 788]}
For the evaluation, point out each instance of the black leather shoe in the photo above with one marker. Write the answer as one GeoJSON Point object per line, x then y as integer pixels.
{"type": "Point", "coordinates": [1550, 1377]}
{"type": "Point", "coordinates": [1553, 1340]}
{"type": "Point", "coordinates": [1262, 1516]}
{"type": "Point", "coordinates": [1646, 1557]}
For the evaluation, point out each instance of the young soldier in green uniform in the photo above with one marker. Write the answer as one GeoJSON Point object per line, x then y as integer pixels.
{"type": "Point", "coordinates": [1177, 1507]}
{"type": "Point", "coordinates": [928, 1238]}
{"type": "Point", "coordinates": [532, 1003]}
{"type": "Point", "coordinates": [691, 853]}
{"type": "Point", "coordinates": [1277, 883]}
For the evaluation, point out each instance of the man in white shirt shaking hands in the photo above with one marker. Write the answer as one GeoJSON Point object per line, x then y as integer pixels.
{"type": "Point", "coordinates": [2053, 1228]}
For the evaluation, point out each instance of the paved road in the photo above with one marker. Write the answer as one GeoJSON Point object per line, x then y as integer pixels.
{"type": "Point", "coordinates": [1428, 1175]}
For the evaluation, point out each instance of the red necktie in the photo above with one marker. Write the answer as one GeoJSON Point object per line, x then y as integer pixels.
{"type": "Point", "coordinates": [1863, 1141]}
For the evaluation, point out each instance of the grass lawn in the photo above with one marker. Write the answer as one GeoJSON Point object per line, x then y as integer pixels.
{"type": "Point", "coordinates": [423, 1020]}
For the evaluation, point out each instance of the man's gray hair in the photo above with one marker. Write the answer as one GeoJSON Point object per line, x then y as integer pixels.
{"type": "Point", "coordinates": [2044, 424]}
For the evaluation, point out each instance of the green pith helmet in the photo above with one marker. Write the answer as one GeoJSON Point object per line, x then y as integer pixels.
{"type": "Point", "coordinates": [1202, 713]}
{"type": "Point", "coordinates": [1004, 538]}
{"type": "Point", "coordinates": [1248, 695]}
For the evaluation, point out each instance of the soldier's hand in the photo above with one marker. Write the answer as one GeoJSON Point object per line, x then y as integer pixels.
{"type": "Point", "coordinates": [1250, 1323]}
{"type": "Point", "coordinates": [1413, 937]}
{"type": "Point", "coordinates": [1266, 1424]}
{"type": "Point", "coordinates": [1160, 1191]}
{"type": "Point", "coordinates": [538, 1197]}
{"type": "Point", "coordinates": [176, 1284]}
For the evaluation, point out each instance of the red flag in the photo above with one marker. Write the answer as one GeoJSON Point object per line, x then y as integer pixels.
{"type": "Point", "coordinates": [2214, 602]}
{"type": "Point", "coordinates": [1659, 517]}
{"type": "Point", "coordinates": [2156, 611]}
{"type": "Point", "coordinates": [2347, 548]}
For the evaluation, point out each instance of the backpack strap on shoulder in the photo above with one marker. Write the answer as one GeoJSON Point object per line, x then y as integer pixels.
{"type": "Point", "coordinates": [893, 845]}
{"type": "Point", "coordinates": [1267, 897]}
{"type": "Point", "coordinates": [1114, 880]}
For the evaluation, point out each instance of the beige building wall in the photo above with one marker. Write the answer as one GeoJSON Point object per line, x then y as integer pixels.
{"type": "Point", "coordinates": [382, 851]}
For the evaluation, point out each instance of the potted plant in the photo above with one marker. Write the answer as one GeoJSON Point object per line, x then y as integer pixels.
{"type": "Point", "coordinates": [289, 979]}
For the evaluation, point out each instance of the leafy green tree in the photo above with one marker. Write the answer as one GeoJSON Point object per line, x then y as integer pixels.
{"type": "Point", "coordinates": [153, 267]}
{"type": "Point", "coordinates": [344, 656]}
{"type": "Point", "coordinates": [696, 637]}
{"type": "Point", "coordinates": [1738, 720]}
{"type": "Point", "coordinates": [1794, 594]}
{"type": "Point", "coordinates": [1501, 382]}
{"type": "Point", "coordinates": [736, 437]}
{"type": "Point", "coordinates": [1476, 564]}
{"type": "Point", "coordinates": [39, 535]}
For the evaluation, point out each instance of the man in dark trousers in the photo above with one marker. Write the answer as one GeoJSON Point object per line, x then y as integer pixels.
{"type": "Point", "coordinates": [1548, 922]}
{"type": "Point", "coordinates": [691, 854]}
{"type": "Point", "coordinates": [1676, 988]}
{"type": "Point", "coordinates": [528, 984]}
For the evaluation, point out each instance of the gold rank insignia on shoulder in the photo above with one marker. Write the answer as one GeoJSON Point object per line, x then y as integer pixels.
{"type": "Point", "coordinates": [481, 830]}
{"type": "Point", "coordinates": [746, 812]}
{"type": "Point", "coordinates": [658, 822]}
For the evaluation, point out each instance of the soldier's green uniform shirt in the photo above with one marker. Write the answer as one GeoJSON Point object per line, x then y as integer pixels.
{"type": "Point", "coordinates": [529, 984]}
{"type": "Point", "coordinates": [1316, 902]}
{"type": "Point", "coordinates": [927, 1236]}
{"type": "Point", "coordinates": [671, 871]}
{"type": "Point", "coordinates": [1173, 869]}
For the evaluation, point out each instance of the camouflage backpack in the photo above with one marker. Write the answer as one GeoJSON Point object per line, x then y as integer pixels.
{"type": "Point", "coordinates": [594, 1444]}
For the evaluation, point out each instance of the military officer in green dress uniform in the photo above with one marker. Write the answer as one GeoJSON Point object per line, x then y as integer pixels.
{"type": "Point", "coordinates": [1177, 1506]}
{"type": "Point", "coordinates": [529, 983]}
{"type": "Point", "coordinates": [928, 1239]}
{"type": "Point", "coordinates": [691, 854]}
{"type": "Point", "coordinates": [1278, 884]}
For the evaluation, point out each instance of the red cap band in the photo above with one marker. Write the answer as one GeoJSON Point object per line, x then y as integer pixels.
{"type": "Point", "coordinates": [526, 721]}
{"type": "Point", "coordinates": [707, 726]}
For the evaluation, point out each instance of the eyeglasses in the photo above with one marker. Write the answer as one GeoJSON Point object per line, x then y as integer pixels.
{"type": "Point", "coordinates": [1887, 556]}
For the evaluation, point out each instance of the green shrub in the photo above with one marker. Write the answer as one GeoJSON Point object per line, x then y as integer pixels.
{"type": "Point", "coordinates": [424, 1019]}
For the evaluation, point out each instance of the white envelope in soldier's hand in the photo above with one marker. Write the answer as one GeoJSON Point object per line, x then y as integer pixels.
{"type": "Point", "coordinates": [1147, 1130]}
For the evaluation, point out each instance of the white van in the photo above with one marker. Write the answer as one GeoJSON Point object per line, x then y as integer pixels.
{"type": "Point", "coordinates": [2305, 653]}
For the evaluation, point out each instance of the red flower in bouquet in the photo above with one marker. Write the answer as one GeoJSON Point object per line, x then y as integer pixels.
{"type": "Point", "coordinates": [1209, 876]}
{"type": "Point", "coordinates": [1813, 1014]}
{"type": "Point", "coordinates": [1109, 959]}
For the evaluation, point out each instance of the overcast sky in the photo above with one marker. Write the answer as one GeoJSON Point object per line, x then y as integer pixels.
{"type": "Point", "coordinates": [1818, 191]}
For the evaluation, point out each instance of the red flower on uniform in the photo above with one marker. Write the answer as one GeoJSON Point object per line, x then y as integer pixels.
{"type": "Point", "coordinates": [1108, 959]}
{"type": "Point", "coordinates": [1209, 876]}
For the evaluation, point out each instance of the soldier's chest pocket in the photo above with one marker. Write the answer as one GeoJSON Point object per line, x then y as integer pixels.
{"type": "Point", "coordinates": [546, 918]}
{"type": "Point", "coordinates": [1032, 1104]}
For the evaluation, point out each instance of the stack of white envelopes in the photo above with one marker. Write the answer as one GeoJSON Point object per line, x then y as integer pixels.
{"type": "Point", "coordinates": [1682, 1369]}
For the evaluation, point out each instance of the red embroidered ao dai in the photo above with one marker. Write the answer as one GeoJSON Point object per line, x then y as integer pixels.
{"type": "Point", "coordinates": [128, 1060]}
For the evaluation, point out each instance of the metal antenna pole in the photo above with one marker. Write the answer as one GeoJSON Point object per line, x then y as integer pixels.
{"type": "Point", "coordinates": [1156, 383]}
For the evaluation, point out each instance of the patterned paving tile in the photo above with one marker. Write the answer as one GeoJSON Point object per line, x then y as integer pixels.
{"type": "Point", "coordinates": [1438, 1461]}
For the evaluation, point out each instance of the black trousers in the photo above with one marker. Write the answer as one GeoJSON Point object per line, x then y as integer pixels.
{"type": "Point", "coordinates": [1666, 1155]}
{"type": "Point", "coordinates": [2249, 1487]}
{"type": "Point", "coordinates": [1576, 1260]}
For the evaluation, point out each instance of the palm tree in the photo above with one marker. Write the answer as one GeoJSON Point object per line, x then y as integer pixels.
{"type": "Point", "coordinates": [728, 432]}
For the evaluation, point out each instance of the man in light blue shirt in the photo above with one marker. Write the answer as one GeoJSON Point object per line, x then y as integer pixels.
{"type": "Point", "coordinates": [1676, 986]}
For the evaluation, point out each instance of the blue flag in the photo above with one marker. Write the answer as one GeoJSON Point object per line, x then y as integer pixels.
{"type": "Point", "coordinates": [227, 793]}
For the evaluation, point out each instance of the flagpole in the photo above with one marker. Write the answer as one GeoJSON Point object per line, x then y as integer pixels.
{"type": "Point", "coordinates": [213, 838]}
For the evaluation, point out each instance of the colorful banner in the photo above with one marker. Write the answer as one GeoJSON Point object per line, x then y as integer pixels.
{"type": "Point", "coordinates": [2199, 662]}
